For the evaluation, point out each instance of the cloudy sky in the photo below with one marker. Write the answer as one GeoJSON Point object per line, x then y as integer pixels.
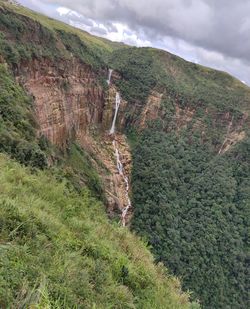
{"type": "Point", "coordinates": [214, 33]}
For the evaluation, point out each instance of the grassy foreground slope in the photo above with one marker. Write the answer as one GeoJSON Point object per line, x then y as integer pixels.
{"type": "Point", "coordinates": [191, 200]}
{"type": "Point", "coordinates": [58, 250]}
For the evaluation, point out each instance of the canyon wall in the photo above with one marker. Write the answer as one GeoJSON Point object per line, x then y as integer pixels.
{"type": "Point", "coordinates": [67, 96]}
{"type": "Point", "coordinates": [71, 104]}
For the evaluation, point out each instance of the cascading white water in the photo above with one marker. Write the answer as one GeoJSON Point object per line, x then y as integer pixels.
{"type": "Point", "coordinates": [119, 164]}
{"type": "Point", "coordinates": [109, 76]}
{"type": "Point", "coordinates": [117, 104]}
{"type": "Point", "coordinates": [125, 178]}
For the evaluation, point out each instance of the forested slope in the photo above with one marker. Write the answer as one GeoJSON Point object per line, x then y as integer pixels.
{"type": "Point", "coordinates": [188, 127]}
{"type": "Point", "coordinates": [191, 189]}
{"type": "Point", "coordinates": [193, 206]}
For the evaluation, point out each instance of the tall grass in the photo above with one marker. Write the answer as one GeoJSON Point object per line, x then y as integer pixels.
{"type": "Point", "coordinates": [58, 250]}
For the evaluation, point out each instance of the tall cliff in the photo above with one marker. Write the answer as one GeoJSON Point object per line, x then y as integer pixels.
{"type": "Point", "coordinates": [182, 135]}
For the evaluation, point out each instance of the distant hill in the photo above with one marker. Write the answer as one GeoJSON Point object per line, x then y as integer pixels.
{"type": "Point", "coordinates": [182, 139]}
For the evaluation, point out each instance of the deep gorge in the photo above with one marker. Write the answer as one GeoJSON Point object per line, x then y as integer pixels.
{"type": "Point", "coordinates": [115, 126]}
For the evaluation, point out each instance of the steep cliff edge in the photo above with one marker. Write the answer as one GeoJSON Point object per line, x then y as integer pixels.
{"type": "Point", "coordinates": [72, 102]}
{"type": "Point", "coordinates": [182, 133]}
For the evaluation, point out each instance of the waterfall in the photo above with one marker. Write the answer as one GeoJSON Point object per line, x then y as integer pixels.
{"type": "Point", "coordinates": [117, 104]}
{"type": "Point", "coordinates": [120, 169]}
{"type": "Point", "coordinates": [119, 164]}
{"type": "Point", "coordinates": [109, 76]}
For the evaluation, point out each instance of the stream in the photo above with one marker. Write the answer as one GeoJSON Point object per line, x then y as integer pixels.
{"type": "Point", "coordinates": [119, 164]}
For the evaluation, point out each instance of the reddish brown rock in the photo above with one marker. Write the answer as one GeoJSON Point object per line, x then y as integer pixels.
{"type": "Point", "coordinates": [68, 99]}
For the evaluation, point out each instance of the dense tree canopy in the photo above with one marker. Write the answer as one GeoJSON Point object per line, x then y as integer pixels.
{"type": "Point", "coordinates": [193, 206]}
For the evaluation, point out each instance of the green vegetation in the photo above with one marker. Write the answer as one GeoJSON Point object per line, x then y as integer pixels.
{"type": "Point", "coordinates": [195, 85]}
{"type": "Point", "coordinates": [17, 126]}
{"type": "Point", "coordinates": [75, 45]}
{"type": "Point", "coordinates": [193, 207]}
{"type": "Point", "coordinates": [18, 139]}
{"type": "Point", "coordinates": [58, 250]}
{"type": "Point", "coordinates": [18, 44]}
{"type": "Point", "coordinates": [190, 85]}
{"type": "Point", "coordinates": [139, 73]}
{"type": "Point", "coordinates": [100, 45]}
{"type": "Point", "coordinates": [57, 246]}
{"type": "Point", "coordinates": [207, 100]}
{"type": "Point", "coordinates": [186, 198]}
{"type": "Point", "coordinates": [98, 48]}
{"type": "Point", "coordinates": [80, 171]}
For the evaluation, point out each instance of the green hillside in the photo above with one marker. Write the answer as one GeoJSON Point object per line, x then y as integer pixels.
{"type": "Point", "coordinates": [190, 182]}
{"type": "Point", "coordinates": [191, 200]}
{"type": "Point", "coordinates": [193, 206]}
{"type": "Point", "coordinates": [58, 250]}
{"type": "Point", "coordinates": [99, 44]}
{"type": "Point", "coordinates": [182, 82]}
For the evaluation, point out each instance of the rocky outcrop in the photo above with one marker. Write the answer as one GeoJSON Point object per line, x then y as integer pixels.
{"type": "Point", "coordinates": [67, 96]}
{"type": "Point", "coordinates": [71, 105]}
{"type": "Point", "coordinates": [152, 109]}
{"type": "Point", "coordinates": [183, 116]}
{"type": "Point", "coordinates": [235, 132]}
{"type": "Point", "coordinates": [232, 139]}
{"type": "Point", "coordinates": [103, 154]}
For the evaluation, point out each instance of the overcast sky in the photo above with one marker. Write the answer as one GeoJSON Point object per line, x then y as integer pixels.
{"type": "Point", "coordinates": [214, 33]}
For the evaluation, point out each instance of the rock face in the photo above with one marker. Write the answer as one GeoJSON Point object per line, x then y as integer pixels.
{"type": "Point", "coordinates": [235, 132]}
{"type": "Point", "coordinates": [151, 109]}
{"type": "Point", "coordinates": [103, 150]}
{"type": "Point", "coordinates": [68, 99]}
{"type": "Point", "coordinates": [70, 104]}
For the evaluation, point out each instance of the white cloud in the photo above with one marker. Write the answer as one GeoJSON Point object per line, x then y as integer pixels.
{"type": "Point", "coordinates": [213, 33]}
{"type": "Point", "coordinates": [115, 31]}
{"type": "Point", "coordinates": [63, 11]}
